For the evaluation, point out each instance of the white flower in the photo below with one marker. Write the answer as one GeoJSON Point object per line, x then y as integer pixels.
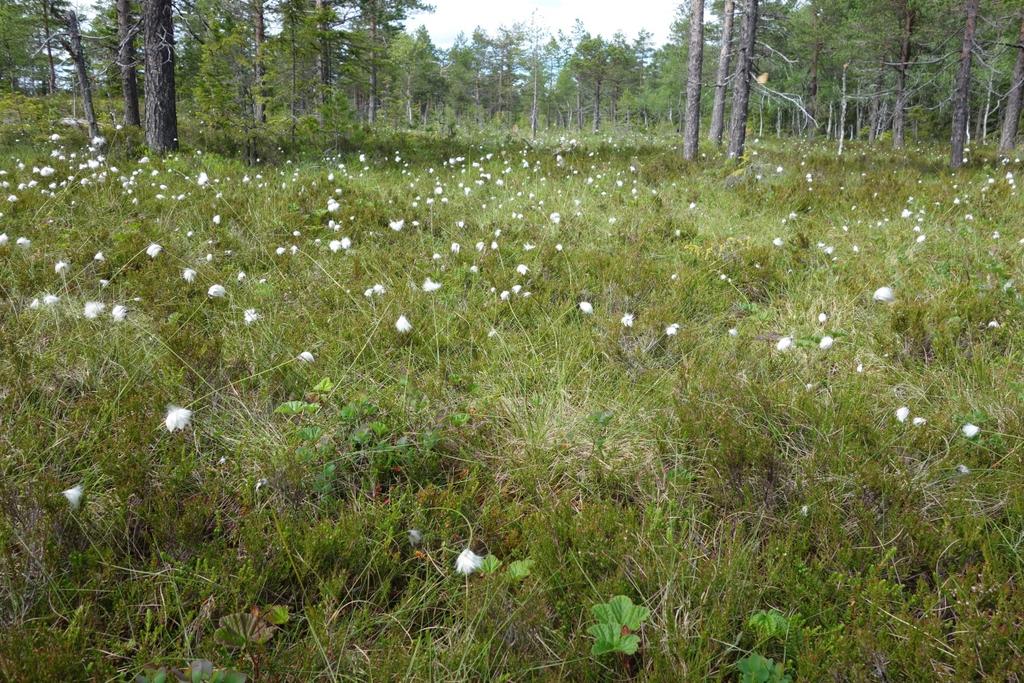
{"type": "Point", "coordinates": [672, 330]}
{"type": "Point", "coordinates": [970, 430]}
{"type": "Point", "coordinates": [586, 307]}
{"type": "Point", "coordinates": [335, 246]}
{"type": "Point", "coordinates": [397, 225]}
{"type": "Point", "coordinates": [403, 325]}
{"type": "Point", "coordinates": [93, 309]}
{"type": "Point", "coordinates": [522, 269]}
{"type": "Point", "coordinates": [733, 332]}
{"type": "Point", "coordinates": [61, 267]}
{"type": "Point", "coordinates": [456, 247]}
{"type": "Point", "coordinates": [822, 318]}
{"type": "Point", "coordinates": [884, 295]}
{"type": "Point", "coordinates": [23, 242]}
{"type": "Point", "coordinates": [902, 413]}
{"type": "Point", "coordinates": [468, 562]}
{"type": "Point", "coordinates": [415, 537]}
{"type": "Point", "coordinates": [777, 241]}
{"type": "Point", "coordinates": [99, 257]}
{"type": "Point", "coordinates": [431, 286]}
{"type": "Point", "coordinates": [153, 249]}
{"type": "Point", "coordinates": [216, 291]}
{"type": "Point", "coordinates": [306, 357]}
{"type": "Point", "coordinates": [918, 421]}
{"type": "Point", "coordinates": [4, 239]}
{"type": "Point", "coordinates": [216, 219]}
{"type": "Point", "coordinates": [203, 179]}
{"type": "Point", "coordinates": [188, 275]}
{"type": "Point", "coordinates": [627, 320]}
{"type": "Point", "coordinates": [784, 344]}
{"type": "Point", "coordinates": [177, 418]}
{"type": "Point", "coordinates": [332, 205]}
{"type": "Point", "coordinates": [74, 496]}
{"type": "Point", "coordinates": [963, 469]}
{"type": "Point", "coordinates": [118, 313]}
{"type": "Point", "coordinates": [555, 218]}
{"type": "Point", "coordinates": [50, 299]}
{"type": "Point", "coordinates": [826, 343]}
{"type": "Point", "coordinates": [250, 316]}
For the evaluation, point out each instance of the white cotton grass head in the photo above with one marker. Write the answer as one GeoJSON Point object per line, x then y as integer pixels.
{"type": "Point", "coordinates": [397, 225]}
{"type": "Point", "coordinates": [93, 309]}
{"type": "Point", "coordinates": [672, 330]}
{"type": "Point", "coordinates": [153, 250]}
{"type": "Point", "coordinates": [431, 286]}
{"type": "Point", "coordinates": [627, 320]}
{"type": "Point", "coordinates": [826, 343]}
{"type": "Point", "coordinates": [586, 307]}
{"type": "Point", "coordinates": [216, 291]}
{"type": "Point", "coordinates": [468, 562]}
{"type": "Point", "coordinates": [902, 413]}
{"type": "Point", "coordinates": [306, 357]}
{"type": "Point", "coordinates": [188, 275]}
{"type": "Point", "coordinates": [118, 313]}
{"type": "Point", "coordinates": [403, 325]}
{"type": "Point", "coordinates": [415, 537]}
{"type": "Point", "coordinates": [884, 295]}
{"type": "Point", "coordinates": [250, 316]}
{"type": "Point", "coordinates": [970, 430]}
{"type": "Point", "coordinates": [177, 418]}
{"type": "Point", "coordinates": [74, 496]}
{"type": "Point", "coordinates": [784, 344]}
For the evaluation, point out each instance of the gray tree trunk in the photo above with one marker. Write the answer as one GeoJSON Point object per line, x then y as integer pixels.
{"type": "Point", "coordinates": [718, 106]}
{"type": "Point", "coordinates": [962, 88]}
{"type": "Point", "coordinates": [126, 63]}
{"type": "Point", "coordinates": [161, 108]}
{"type": "Point", "coordinates": [741, 84]}
{"type": "Point", "coordinates": [691, 132]}
{"type": "Point", "coordinates": [1011, 119]}
{"type": "Point", "coordinates": [900, 108]}
{"type": "Point", "coordinates": [73, 45]}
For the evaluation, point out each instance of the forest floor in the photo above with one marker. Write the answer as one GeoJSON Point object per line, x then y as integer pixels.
{"type": "Point", "coordinates": [791, 478]}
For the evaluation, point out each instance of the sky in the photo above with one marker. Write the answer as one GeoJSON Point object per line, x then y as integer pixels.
{"type": "Point", "coordinates": [603, 17]}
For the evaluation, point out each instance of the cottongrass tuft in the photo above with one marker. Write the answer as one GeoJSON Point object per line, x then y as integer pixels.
{"type": "Point", "coordinates": [403, 325]}
{"type": "Point", "coordinates": [177, 418]}
{"type": "Point", "coordinates": [468, 562]}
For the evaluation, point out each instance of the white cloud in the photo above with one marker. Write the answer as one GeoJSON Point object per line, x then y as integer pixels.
{"type": "Point", "coordinates": [603, 17]}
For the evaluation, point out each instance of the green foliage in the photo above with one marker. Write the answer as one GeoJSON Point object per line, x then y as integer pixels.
{"type": "Point", "coordinates": [617, 620]}
{"type": "Point", "coordinates": [199, 671]}
{"type": "Point", "coordinates": [756, 669]}
{"type": "Point", "coordinates": [248, 629]}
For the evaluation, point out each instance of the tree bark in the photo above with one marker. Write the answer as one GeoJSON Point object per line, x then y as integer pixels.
{"type": "Point", "coordinates": [372, 112]}
{"type": "Point", "coordinates": [741, 84]}
{"type": "Point", "coordinates": [718, 106]}
{"type": "Point", "coordinates": [161, 107]}
{"type": "Point", "coordinates": [597, 106]}
{"type": "Point", "coordinates": [899, 109]}
{"type": "Point", "coordinates": [695, 60]}
{"type": "Point", "coordinates": [1011, 119]}
{"type": "Point", "coordinates": [51, 74]}
{"type": "Point", "coordinates": [259, 70]}
{"type": "Point", "coordinates": [126, 63]}
{"type": "Point", "coordinates": [962, 88]}
{"type": "Point", "coordinates": [73, 45]}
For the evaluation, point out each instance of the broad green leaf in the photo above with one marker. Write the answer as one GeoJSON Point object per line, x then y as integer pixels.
{"type": "Point", "coordinates": [519, 570]}
{"type": "Point", "coordinates": [609, 638]}
{"type": "Point", "coordinates": [621, 610]}
{"type": "Point", "coordinates": [289, 408]}
{"type": "Point", "coordinates": [324, 386]}
{"type": "Point", "coordinates": [490, 565]}
{"type": "Point", "coordinates": [276, 614]}
{"type": "Point", "coordinates": [239, 630]}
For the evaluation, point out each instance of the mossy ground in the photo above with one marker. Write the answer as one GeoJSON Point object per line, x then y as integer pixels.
{"type": "Point", "coordinates": [706, 476]}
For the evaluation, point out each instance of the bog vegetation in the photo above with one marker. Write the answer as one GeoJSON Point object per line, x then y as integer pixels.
{"type": "Point", "coordinates": [324, 364]}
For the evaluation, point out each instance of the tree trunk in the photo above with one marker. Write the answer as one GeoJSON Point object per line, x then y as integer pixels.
{"type": "Point", "coordinates": [597, 106]}
{"type": "Point", "coordinates": [73, 45]}
{"type": "Point", "coordinates": [161, 107]}
{"type": "Point", "coordinates": [126, 62]}
{"type": "Point", "coordinates": [259, 70]}
{"type": "Point", "coordinates": [51, 74]}
{"type": "Point", "coordinates": [372, 112]}
{"type": "Point", "coordinates": [1011, 119]}
{"type": "Point", "coordinates": [812, 87]}
{"type": "Point", "coordinates": [741, 84]}
{"type": "Point", "coordinates": [962, 89]}
{"type": "Point", "coordinates": [900, 108]}
{"type": "Point", "coordinates": [693, 72]}
{"type": "Point", "coordinates": [718, 107]}
{"type": "Point", "coordinates": [842, 114]}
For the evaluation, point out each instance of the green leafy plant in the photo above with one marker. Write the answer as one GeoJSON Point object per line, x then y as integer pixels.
{"type": "Point", "coordinates": [519, 570]}
{"type": "Point", "coordinates": [769, 624]}
{"type": "Point", "coordinates": [256, 627]}
{"type": "Point", "coordinates": [757, 669]}
{"type": "Point", "coordinates": [199, 671]}
{"type": "Point", "coordinates": [490, 565]}
{"type": "Point", "coordinates": [617, 622]}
